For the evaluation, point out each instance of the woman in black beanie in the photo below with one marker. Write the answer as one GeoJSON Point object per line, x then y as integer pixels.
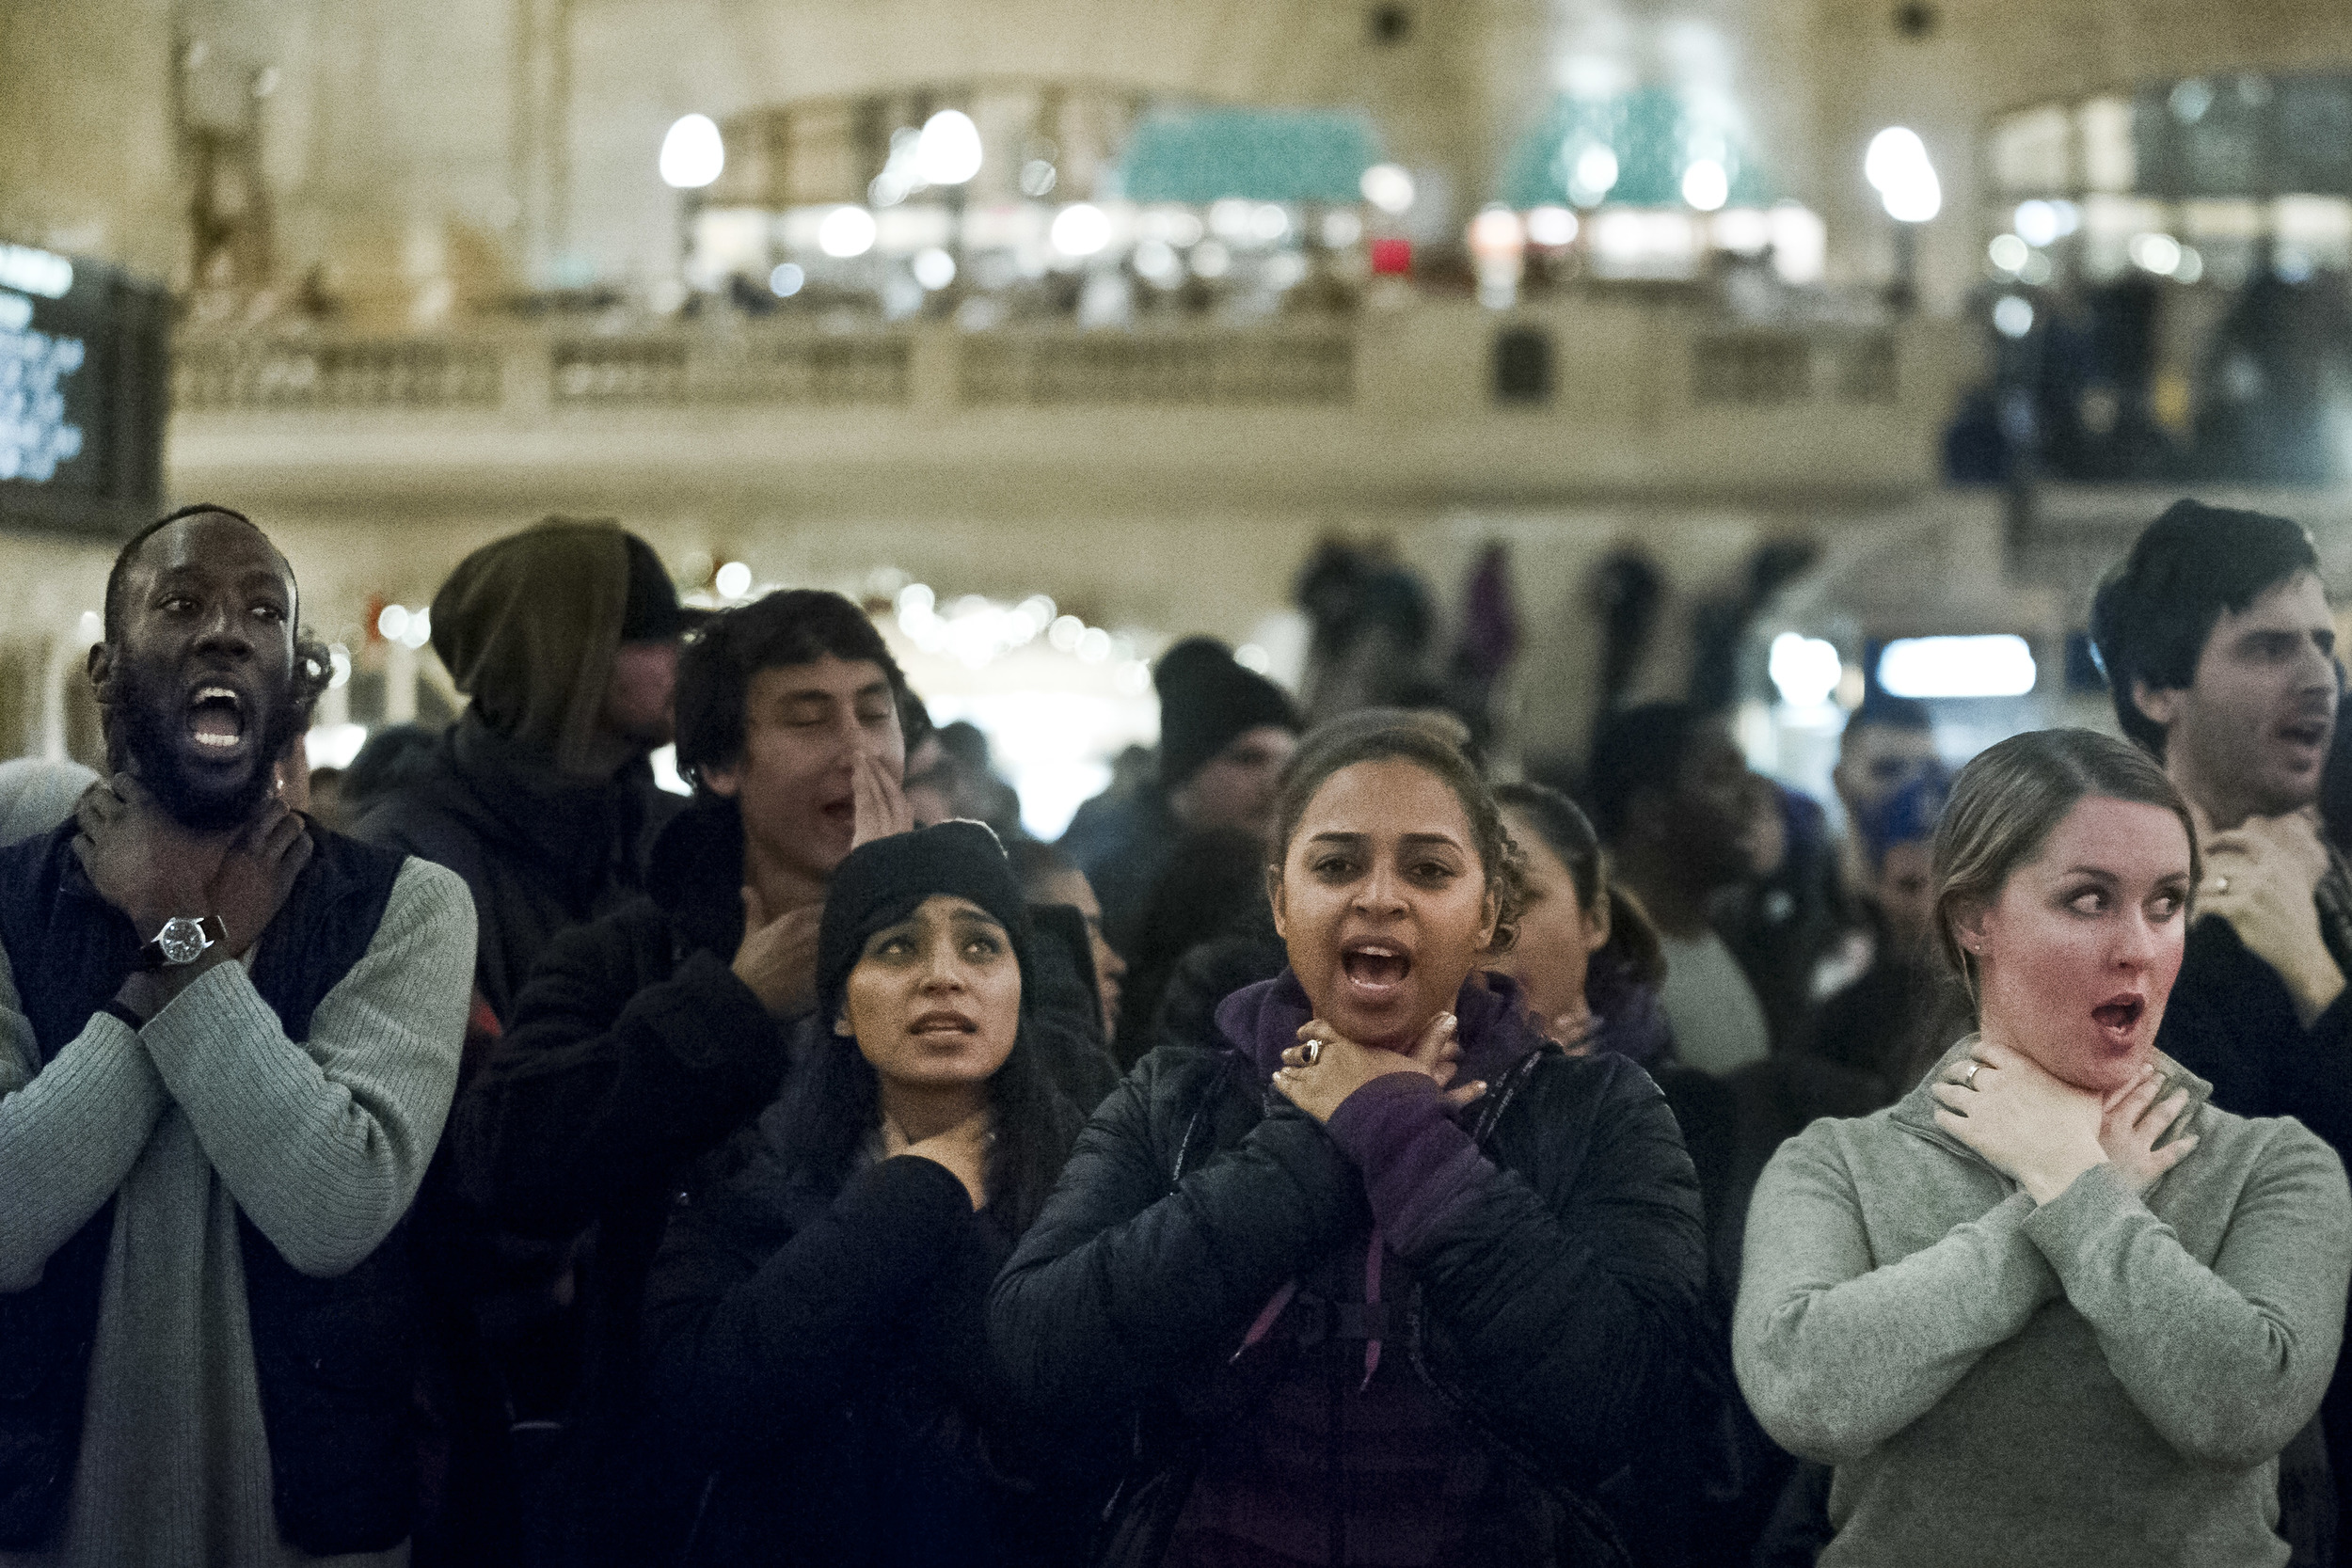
{"type": "Point", "coordinates": [816, 1319]}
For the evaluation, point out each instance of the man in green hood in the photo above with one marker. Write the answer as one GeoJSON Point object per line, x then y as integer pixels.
{"type": "Point", "coordinates": [565, 637]}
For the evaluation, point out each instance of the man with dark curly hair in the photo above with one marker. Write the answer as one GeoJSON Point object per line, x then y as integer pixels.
{"type": "Point", "coordinates": [228, 1041]}
{"type": "Point", "coordinates": [2219, 644]}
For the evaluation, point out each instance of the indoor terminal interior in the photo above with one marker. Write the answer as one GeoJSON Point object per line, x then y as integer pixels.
{"type": "Point", "coordinates": [1812, 373]}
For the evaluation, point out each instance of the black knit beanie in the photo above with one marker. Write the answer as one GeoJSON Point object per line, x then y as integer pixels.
{"type": "Point", "coordinates": [884, 882]}
{"type": "Point", "coordinates": [1206, 702]}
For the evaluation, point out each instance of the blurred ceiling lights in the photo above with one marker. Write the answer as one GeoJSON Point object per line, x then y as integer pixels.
{"type": "Point", "coordinates": [948, 150]}
{"type": "Point", "coordinates": [1081, 229]}
{"type": "Point", "coordinates": [1899, 169]}
{"type": "Point", "coordinates": [1387, 187]}
{"type": "Point", "coordinates": [1704, 185]}
{"type": "Point", "coordinates": [1994, 666]}
{"type": "Point", "coordinates": [846, 232]}
{"type": "Point", "coordinates": [1805, 670]}
{"type": "Point", "coordinates": [693, 154]}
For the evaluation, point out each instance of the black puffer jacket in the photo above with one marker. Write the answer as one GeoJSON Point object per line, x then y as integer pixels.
{"type": "Point", "coordinates": [819, 1358]}
{"type": "Point", "coordinates": [1557, 1313]}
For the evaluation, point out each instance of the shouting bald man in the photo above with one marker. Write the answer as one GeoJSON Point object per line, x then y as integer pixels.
{"type": "Point", "coordinates": [228, 1040]}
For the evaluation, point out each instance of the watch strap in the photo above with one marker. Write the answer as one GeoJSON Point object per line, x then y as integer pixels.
{"type": "Point", "coordinates": [123, 1010]}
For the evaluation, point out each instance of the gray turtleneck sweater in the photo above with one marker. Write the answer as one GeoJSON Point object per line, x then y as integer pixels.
{"type": "Point", "coordinates": [209, 1109]}
{"type": "Point", "coordinates": [2101, 1380]}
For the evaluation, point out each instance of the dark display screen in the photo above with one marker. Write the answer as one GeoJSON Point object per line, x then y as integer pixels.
{"type": "Point", "coordinates": [83, 385]}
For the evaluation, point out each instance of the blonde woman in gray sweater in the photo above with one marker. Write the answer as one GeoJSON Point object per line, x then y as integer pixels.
{"type": "Point", "coordinates": [2051, 1308]}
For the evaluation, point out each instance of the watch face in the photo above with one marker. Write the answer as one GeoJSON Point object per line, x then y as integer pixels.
{"type": "Point", "coordinates": [182, 941]}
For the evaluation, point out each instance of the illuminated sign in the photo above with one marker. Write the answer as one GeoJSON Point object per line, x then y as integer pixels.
{"type": "Point", "coordinates": [35, 434]}
{"type": "Point", "coordinates": [36, 272]}
{"type": "Point", "coordinates": [83, 370]}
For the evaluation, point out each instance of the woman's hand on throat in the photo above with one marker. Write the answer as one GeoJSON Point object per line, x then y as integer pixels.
{"type": "Point", "coordinates": [2032, 1127]}
{"type": "Point", "coordinates": [1325, 1067]}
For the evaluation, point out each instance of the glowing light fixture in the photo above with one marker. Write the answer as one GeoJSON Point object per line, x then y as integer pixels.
{"type": "Point", "coordinates": [1898, 168]}
{"type": "Point", "coordinates": [1593, 176]}
{"type": "Point", "coordinates": [2009, 252]}
{"type": "Point", "coordinates": [2157, 253]}
{"type": "Point", "coordinates": [1704, 185]}
{"type": "Point", "coordinates": [1805, 670]}
{"type": "Point", "coordinates": [786, 280]}
{"type": "Point", "coordinates": [693, 154]}
{"type": "Point", "coordinates": [1496, 231]}
{"type": "Point", "coordinates": [1551, 226]}
{"type": "Point", "coordinates": [846, 232]}
{"type": "Point", "coordinates": [949, 151]}
{"type": "Point", "coordinates": [2013, 315]}
{"type": "Point", "coordinates": [36, 272]}
{"type": "Point", "coordinates": [1081, 229]}
{"type": "Point", "coordinates": [1387, 188]}
{"type": "Point", "coordinates": [934, 268]}
{"type": "Point", "coordinates": [2038, 222]}
{"type": "Point", "coordinates": [1995, 666]}
{"type": "Point", "coordinates": [732, 580]}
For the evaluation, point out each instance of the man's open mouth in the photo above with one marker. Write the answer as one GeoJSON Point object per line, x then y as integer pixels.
{"type": "Point", "coordinates": [217, 717]}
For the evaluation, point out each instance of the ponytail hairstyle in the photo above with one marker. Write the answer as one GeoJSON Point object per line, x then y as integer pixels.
{"type": "Point", "coordinates": [1631, 950]}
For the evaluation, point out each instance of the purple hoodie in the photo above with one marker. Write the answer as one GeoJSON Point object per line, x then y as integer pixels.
{"type": "Point", "coordinates": [1416, 1160]}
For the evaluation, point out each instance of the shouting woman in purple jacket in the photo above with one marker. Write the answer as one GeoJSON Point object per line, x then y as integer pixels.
{"type": "Point", "coordinates": [1379, 1276]}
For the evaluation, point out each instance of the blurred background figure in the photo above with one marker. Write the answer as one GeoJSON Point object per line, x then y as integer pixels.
{"type": "Point", "coordinates": [1587, 960]}
{"type": "Point", "coordinates": [1904, 1005]}
{"type": "Point", "coordinates": [565, 637]}
{"type": "Point", "coordinates": [1056, 887]}
{"type": "Point", "coordinates": [35, 796]}
{"type": "Point", "coordinates": [1674, 802]}
{"type": "Point", "coordinates": [967, 779]}
{"type": "Point", "coordinates": [1224, 733]}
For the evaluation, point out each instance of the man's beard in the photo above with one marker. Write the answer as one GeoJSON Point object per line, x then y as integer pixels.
{"type": "Point", "coordinates": [144, 722]}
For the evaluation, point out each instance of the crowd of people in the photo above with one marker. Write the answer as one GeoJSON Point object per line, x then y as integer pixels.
{"type": "Point", "coordinates": [1327, 1153]}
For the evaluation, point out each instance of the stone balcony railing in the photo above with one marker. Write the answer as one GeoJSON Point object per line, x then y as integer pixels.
{"type": "Point", "coordinates": [1442, 401]}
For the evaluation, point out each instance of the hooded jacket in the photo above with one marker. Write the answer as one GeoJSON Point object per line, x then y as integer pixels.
{"type": "Point", "coordinates": [2103, 1379]}
{"type": "Point", "coordinates": [1539, 1271]}
{"type": "Point", "coordinates": [528, 628]}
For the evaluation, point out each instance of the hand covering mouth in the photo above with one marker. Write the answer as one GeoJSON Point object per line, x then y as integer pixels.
{"type": "Point", "coordinates": [216, 717]}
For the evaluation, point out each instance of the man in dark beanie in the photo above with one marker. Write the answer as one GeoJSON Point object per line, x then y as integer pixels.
{"type": "Point", "coordinates": [2218, 645]}
{"type": "Point", "coordinates": [1225, 734]}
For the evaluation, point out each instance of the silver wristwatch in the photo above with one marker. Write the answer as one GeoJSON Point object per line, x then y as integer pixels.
{"type": "Point", "coordinates": [182, 941]}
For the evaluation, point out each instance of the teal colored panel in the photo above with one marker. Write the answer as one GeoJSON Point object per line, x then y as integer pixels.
{"type": "Point", "coordinates": [1651, 136]}
{"type": "Point", "coordinates": [1202, 155]}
